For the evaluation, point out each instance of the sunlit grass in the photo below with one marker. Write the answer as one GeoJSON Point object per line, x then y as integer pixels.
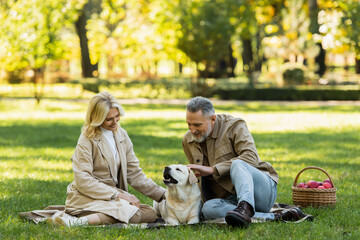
{"type": "Point", "coordinates": [37, 141]}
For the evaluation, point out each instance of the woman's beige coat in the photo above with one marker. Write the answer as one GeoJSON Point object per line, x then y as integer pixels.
{"type": "Point", "coordinates": [94, 186]}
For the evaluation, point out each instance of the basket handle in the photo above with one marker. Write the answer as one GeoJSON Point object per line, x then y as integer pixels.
{"type": "Point", "coordinates": [312, 167]}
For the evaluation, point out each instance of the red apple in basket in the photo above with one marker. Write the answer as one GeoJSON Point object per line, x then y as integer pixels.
{"type": "Point", "coordinates": [320, 187]}
{"type": "Point", "coordinates": [327, 185]}
{"type": "Point", "coordinates": [301, 185]}
{"type": "Point", "coordinates": [328, 181]}
{"type": "Point", "coordinates": [312, 184]}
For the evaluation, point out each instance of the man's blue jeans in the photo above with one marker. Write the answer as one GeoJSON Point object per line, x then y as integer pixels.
{"type": "Point", "coordinates": [251, 185]}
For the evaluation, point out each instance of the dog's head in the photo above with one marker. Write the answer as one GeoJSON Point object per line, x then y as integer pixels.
{"type": "Point", "coordinates": [179, 174]}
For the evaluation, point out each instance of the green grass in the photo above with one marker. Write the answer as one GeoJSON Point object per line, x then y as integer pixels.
{"type": "Point", "coordinates": [37, 141]}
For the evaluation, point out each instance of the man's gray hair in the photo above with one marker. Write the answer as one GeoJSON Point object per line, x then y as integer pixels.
{"type": "Point", "coordinates": [200, 103]}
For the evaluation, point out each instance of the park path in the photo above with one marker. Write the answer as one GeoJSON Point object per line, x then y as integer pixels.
{"type": "Point", "coordinates": [215, 102]}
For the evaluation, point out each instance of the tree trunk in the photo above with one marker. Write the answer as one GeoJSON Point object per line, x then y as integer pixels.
{"type": "Point", "coordinates": [89, 70]}
{"type": "Point", "coordinates": [314, 28]}
{"type": "Point", "coordinates": [320, 60]}
{"type": "Point", "coordinates": [37, 79]}
{"type": "Point", "coordinates": [231, 62]}
{"type": "Point", "coordinates": [180, 69]}
{"type": "Point", "coordinates": [248, 61]}
{"type": "Point", "coordinates": [357, 66]}
{"type": "Point", "coordinates": [259, 55]}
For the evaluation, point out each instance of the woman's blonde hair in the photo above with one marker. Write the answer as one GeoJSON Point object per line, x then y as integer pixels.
{"type": "Point", "coordinates": [97, 111]}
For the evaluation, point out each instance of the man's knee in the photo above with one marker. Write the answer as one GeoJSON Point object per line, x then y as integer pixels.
{"type": "Point", "coordinates": [208, 205]}
{"type": "Point", "coordinates": [210, 208]}
{"type": "Point", "coordinates": [238, 164]}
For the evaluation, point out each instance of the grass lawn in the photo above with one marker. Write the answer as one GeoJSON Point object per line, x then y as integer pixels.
{"type": "Point", "coordinates": [36, 143]}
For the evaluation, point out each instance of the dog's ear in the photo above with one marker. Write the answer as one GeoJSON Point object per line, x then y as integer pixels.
{"type": "Point", "coordinates": [192, 177]}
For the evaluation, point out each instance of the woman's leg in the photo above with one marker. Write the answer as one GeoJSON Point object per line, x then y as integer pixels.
{"type": "Point", "coordinates": [145, 214]}
{"type": "Point", "coordinates": [101, 219]}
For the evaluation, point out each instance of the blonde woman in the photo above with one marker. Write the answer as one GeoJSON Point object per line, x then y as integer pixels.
{"type": "Point", "coordinates": [104, 163]}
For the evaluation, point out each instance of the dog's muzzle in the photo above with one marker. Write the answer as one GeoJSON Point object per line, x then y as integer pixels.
{"type": "Point", "coordinates": [167, 176]}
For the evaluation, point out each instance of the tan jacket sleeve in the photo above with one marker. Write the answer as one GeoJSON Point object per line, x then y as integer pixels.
{"type": "Point", "coordinates": [137, 178]}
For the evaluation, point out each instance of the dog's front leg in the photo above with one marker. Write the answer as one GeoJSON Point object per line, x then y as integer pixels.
{"type": "Point", "coordinates": [193, 220]}
{"type": "Point", "coordinates": [172, 221]}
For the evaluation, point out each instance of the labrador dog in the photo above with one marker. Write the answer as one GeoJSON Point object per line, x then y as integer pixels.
{"type": "Point", "coordinates": [183, 197]}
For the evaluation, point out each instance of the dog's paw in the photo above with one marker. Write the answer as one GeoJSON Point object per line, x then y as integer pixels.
{"type": "Point", "coordinates": [172, 222]}
{"type": "Point", "coordinates": [193, 220]}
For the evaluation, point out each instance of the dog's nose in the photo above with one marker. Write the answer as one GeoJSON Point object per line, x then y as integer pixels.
{"type": "Point", "coordinates": [166, 172]}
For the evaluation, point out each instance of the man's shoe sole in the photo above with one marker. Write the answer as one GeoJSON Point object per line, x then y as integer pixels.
{"type": "Point", "coordinates": [235, 221]}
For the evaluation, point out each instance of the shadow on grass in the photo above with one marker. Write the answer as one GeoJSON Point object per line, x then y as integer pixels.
{"type": "Point", "coordinates": [27, 194]}
{"type": "Point", "coordinates": [40, 134]}
{"type": "Point", "coordinates": [325, 143]}
{"type": "Point", "coordinates": [62, 135]}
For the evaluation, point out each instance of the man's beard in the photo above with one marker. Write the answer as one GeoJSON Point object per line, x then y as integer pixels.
{"type": "Point", "coordinates": [203, 137]}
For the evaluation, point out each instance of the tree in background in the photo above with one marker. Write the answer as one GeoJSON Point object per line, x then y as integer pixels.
{"type": "Point", "coordinates": [293, 43]}
{"type": "Point", "coordinates": [249, 19]}
{"type": "Point", "coordinates": [205, 36]}
{"type": "Point", "coordinates": [89, 66]}
{"type": "Point", "coordinates": [351, 25]}
{"type": "Point", "coordinates": [133, 36]}
{"type": "Point", "coordinates": [331, 33]}
{"type": "Point", "coordinates": [141, 37]}
{"type": "Point", "coordinates": [313, 9]}
{"type": "Point", "coordinates": [167, 29]}
{"type": "Point", "coordinates": [137, 35]}
{"type": "Point", "coordinates": [105, 34]}
{"type": "Point", "coordinates": [33, 34]}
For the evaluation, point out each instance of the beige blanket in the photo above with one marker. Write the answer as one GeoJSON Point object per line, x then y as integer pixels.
{"type": "Point", "coordinates": [38, 216]}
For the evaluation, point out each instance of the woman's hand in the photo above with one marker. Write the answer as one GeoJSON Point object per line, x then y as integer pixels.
{"type": "Point", "coordinates": [130, 198]}
{"type": "Point", "coordinates": [201, 170]}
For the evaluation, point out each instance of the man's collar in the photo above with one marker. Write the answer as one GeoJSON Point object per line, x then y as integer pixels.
{"type": "Point", "coordinates": [216, 130]}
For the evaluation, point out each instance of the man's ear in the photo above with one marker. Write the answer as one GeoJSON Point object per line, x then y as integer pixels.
{"type": "Point", "coordinates": [192, 177]}
{"type": "Point", "coordinates": [213, 118]}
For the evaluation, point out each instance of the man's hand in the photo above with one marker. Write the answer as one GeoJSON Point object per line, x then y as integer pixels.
{"type": "Point", "coordinates": [130, 198]}
{"type": "Point", "coordinates": [200, 170]}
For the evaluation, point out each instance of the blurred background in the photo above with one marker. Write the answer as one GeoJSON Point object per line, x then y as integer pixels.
{"type": "Point", "coordinates": [226, 49]}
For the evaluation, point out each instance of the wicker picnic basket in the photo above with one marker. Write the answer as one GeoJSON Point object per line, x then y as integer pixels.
{"type": "Point", "coordinates": [315, 197]}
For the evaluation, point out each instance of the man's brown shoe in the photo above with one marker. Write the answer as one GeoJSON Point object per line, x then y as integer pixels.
{"type": "Point", "coordinates": [293, 214]}
{"type": "Point", "coordinates": [240, 216]}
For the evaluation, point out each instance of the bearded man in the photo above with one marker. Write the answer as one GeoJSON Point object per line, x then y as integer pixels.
{"type": "Point", "coordinates": [235, 183]}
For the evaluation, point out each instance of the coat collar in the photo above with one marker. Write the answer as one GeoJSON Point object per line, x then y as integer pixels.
{"type": "Point", "coordinates": [100, 137]}
{"type": "Point", "coordinates": [119, 138]}
{"type": "Point", "coordinates": [106, 152]}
